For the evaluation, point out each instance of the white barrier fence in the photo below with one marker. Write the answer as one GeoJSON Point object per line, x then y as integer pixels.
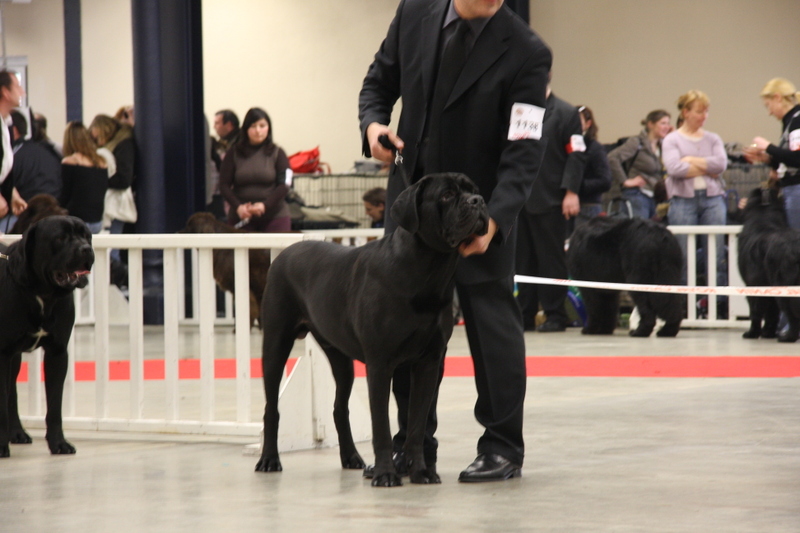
{"type": "Point", "coordinates": [305, 418]}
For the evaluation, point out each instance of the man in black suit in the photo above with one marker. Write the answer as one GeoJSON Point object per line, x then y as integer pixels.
{"type": "Point", "coordinates": [543, 223]}
{"type": "Point", "coordinates": [472, 77]}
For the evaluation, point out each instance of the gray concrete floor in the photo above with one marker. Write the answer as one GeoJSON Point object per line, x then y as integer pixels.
{"type": "Point", "coordinates": [603, 454]}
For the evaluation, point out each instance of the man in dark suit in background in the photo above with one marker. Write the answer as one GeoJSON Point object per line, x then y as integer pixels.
{"type": "Point", "coordinates": [543, 223]}
{"type": "Point", "coordinates": [472, 77]}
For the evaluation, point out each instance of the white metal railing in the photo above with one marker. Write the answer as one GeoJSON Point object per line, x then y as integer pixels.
{"type": "Point", "coordinates": [95, 314]}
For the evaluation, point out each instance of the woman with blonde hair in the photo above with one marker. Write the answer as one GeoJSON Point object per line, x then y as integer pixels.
{"type": "Point", "coordinates": [695, 160]}
{"type": "Point", "coordinates": [84, 175]}
{"type": "Point", "coordinates": [780, 98]}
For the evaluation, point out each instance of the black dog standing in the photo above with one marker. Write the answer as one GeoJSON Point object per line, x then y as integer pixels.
{"type": "Point", "coordinates": [764, 219]}
{"type": "Point", "coordinates": [38, 275]}
{"type": "Point", "coordinates": [385, 303]}
{"type": "Point", "coordinates": [627, 251]}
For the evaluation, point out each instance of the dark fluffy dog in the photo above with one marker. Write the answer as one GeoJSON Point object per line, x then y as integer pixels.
{"type": "Point", "coordinates": [385, 303]}
{"type": "Point", "coordinates": [223, 261]}
{"type": "Point", "coordinates": [37, 278]}
{"type": "Point", "coordinates": [39, 207]}
{"type": "Point", "coordinates": [627, 251]}
{"type": "Point", "coordinates": [764, 226]}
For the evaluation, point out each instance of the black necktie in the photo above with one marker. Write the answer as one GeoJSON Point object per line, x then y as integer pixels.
{"type": "Point", "coordinates": [451, 64]}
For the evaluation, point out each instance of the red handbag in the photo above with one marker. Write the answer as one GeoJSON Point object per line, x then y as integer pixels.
{"type": "Point", "coordinates": [306, 162]}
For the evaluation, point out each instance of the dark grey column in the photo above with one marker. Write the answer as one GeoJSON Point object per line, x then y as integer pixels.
{"type": "Point", "coordinates": [168, 101]}
{"type": "Point", "coordinates": [72, 59]}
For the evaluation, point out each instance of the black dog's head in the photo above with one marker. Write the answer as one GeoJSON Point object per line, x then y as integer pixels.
{"type": "Point", "coordinates": [54, 256]}
{"type": "Point", "coordinates": [765, 204]}
{"type": "Point", "coordinates": [444, 210]}
{"type": "Point", "coordinates": [204, 222]}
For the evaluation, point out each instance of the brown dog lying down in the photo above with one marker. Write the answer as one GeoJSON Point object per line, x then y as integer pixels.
{"type": "Point", "coordinates": [39, 207]}
{"type": "Point", "coordinates": [223, 261]}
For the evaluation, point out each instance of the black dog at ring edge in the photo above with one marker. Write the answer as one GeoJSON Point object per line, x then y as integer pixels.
{"type": "Point", "coordinates": [385, 303]}
{"type": "Point", "coordinates": [38, 275]}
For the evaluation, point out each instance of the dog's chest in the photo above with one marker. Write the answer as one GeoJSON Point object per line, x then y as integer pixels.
{"type": "Point", "coordinates": [29, 337]}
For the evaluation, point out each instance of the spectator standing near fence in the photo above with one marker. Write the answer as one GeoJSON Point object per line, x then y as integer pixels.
{"type": "Point", "coordinates": [85, 177]}
{"type": "Point", "coordinates": [253, 178]}
{"type": "Point", "coordinates": [11, 94]}
{"type": "Point", "coordinates": [695, 160]}
{"type": "Point", "coordinates": [780, 97]}
{"type": "Point", "coordinates": [375, 206]}
{"type": "Point", "coordinates": [636, 168]}
{"type": "Point", "coordinates": [37, 169]}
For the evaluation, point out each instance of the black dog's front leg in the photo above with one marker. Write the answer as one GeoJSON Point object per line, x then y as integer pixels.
{"type": "Point", "coordinates": [424, 385]}
{"type": "Point", "coordinates": [17, 434]}
{"type": "Point", "coordinates": [55, 372]}
{"type": "Point", "coordinates": [379, 379]}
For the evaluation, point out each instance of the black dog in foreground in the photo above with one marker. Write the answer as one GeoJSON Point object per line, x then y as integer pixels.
{"type": "Point", "coordinates": [385, 303]}
{"type": "Point", "coordinates": [764, 221]}
{"type": "Point", "coordinates": [38, 275]}
{"type": "Point", "coordinates": [627, 251]}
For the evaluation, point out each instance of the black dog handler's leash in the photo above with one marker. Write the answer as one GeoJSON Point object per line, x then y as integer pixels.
{"type": "Point", "coordinates": [398, 158]}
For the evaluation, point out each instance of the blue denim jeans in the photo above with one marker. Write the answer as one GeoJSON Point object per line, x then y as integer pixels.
{"type": "Point", "coordinates": [701, 210]}
{"type": "Point", "coordinates": [642, 205]}
{"type": "Point", "coordinates": [791, 200]}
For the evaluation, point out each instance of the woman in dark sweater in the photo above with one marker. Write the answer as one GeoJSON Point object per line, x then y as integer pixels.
{"type": "Point", "coordinates": [253, 178]}
{"type": "Point", "coordinates": [597, 175]}
{"type": "Point", "coordinates": [84, 175]}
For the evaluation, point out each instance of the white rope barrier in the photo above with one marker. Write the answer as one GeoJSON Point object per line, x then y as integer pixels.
{"type": "Point", "coordinates": [676, 289]}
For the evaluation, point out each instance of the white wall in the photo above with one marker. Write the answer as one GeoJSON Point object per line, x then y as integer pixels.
{"type": "Point", "coordinates": [304, 60]}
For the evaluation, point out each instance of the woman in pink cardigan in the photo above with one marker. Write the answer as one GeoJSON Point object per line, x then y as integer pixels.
{"type": "Point", "coordinates": [695, 160]}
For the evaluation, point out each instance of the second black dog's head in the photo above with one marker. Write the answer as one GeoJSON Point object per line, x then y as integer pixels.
{"type": "Point", "coordinates": [443, 210]}
{"type": "Point", "coordinates": [765, 203]}
{"type": "Point", "coordinates": [55, 255]}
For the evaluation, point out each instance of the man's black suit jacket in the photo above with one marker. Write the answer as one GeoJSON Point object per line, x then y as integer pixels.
{"type": "Point", "coordinates": [508, 64]}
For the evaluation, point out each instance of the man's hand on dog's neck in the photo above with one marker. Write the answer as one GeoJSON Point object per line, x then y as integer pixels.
{"type": "Point", "coordinates": [478, 244]}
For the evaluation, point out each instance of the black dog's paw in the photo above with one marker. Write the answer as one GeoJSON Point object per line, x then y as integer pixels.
{"type": "Point", "coordinates": [669, 330]}
{"type": "Point", "coordinates": [388, 479]}
{"type": "Point", "coordinates": [425, 477]}
{"type": "Point", "coordinates": [4, 451]}
{"type": "Point", "coordinates": [61, 447]}
{"type": "Point", "coordinates": [269, 464]}
{"type": "Point", "coordinates": [641, 332]}
{"type": "Point", "coordinates": [769, 333]}
{"type": "Point", "coordinates": [752, 334]}
{"type": "Point", "coordinates": [18, 436]}
{"type": "Point", "coordinates": [354, 462]}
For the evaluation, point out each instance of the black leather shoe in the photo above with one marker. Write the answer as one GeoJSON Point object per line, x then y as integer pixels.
{"type": "Point", "coordinates": [490, 467]}
{"type": "Point", "coordinates": [550, 326]}
{"type": "Point", "coordinates": [400, 465]}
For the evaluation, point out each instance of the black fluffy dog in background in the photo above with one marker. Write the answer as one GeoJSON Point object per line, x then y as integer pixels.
{"type": "Point", "coordinates": [764, 224]}
{"type": "Point", "coordinates": [627, 251]}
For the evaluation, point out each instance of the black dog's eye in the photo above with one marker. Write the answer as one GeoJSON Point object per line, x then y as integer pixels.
{"type": "Point", "coordinates": [447, 196]}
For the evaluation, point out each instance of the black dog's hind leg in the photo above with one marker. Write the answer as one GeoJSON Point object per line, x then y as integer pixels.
{"type": "Point", "coordinates": [379, 380]}
{"type": "Point", "coordinates": [670, 308]}
{"type": "Point", "coordinates": [647, 315]}
{"type": "Point", "coordinates": [792, 310]}
{"type": "Point", "coordinates": [55, 372]}
{"type": "Point", "coordinates": [424, 384]}
{"type": "Point", "coordinates": [17, 434]}
{"type": "Point", "coordinates": [342, 368]}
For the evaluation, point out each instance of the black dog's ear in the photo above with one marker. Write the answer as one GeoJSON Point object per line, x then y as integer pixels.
{"type": "Point", "coordinates": [466, 184]}
{"type": "Point", "coordinates": [20, 255]}
{"type": "Point", "coordinates": [405, 210]}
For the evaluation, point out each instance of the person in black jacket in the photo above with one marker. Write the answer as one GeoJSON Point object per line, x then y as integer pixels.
{"type": "Point", "coordinates": [478, 113]}
{"type": "Point", "coordinates": [543, 224]}
{"type": "Point", "coordinates": [597, 176]}
{"type": "Point", "coordinates": [781, 100]}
